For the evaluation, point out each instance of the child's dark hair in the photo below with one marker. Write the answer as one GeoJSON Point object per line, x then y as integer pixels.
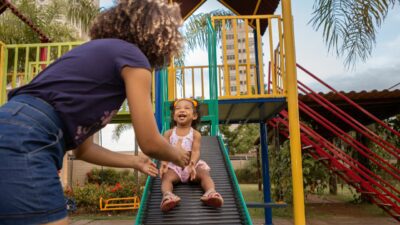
{"type": "Point", "coordinates": [153, 25]}
{"type": "Point", "coordinates": [196, 110]}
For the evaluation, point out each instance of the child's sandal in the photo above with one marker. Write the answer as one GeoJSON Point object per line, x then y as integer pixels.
{"type": "Point", "coordinates": [212, 198]}
{"type": "Point", "coordinates": [169, 201]}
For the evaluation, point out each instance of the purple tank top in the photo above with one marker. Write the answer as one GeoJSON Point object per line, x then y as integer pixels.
{"type": "Point", "coordinates": [85, 85]}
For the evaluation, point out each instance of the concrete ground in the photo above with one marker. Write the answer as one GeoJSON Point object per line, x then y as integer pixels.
{"type": "Point", "coordinates": [343, 220]}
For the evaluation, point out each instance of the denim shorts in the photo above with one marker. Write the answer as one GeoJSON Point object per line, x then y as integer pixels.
{"type": "Point", "coordinates": [31, 153]}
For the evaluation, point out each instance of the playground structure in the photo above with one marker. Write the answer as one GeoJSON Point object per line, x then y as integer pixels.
{"type": "Point", "coordinates": [261, 99]}
{"type": "Point", "coordinates": [128, 203]}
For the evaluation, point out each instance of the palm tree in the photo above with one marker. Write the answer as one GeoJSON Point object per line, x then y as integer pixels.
{"type": "Point", "coordinates": [48, 18]}
{"type": "Point", "coordinates": [350, 26]}
{"type": "Point", "coordinates": [82, 12]}
{"type": "Point", "coordinates": [196, 29]}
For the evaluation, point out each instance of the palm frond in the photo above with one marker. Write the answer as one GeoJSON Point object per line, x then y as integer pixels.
{"type": "Point", "coordinates": [82, 12]}
{"type": "Point", "coordinates": [349, 27]}
{"type": "Point", "coordinates": [196, 29]}
{"type": "Point", "coordinates": [119, 129]}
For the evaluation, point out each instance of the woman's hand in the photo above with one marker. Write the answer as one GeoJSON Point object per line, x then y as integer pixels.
{"type": "Point", "coordinates": [146, 166]}
{"type": "Point", "coordinates": [183, 156]}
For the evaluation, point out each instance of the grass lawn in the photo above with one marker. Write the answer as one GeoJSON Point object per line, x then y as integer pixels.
{"type": "Point", "coordinates": [252, 194]}
{"type": "Point", "coordinates": [317, 207]}
{"type": "Point", "coordinates": [104, 216]}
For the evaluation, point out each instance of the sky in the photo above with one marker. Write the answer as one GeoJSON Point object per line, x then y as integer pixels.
{"type": "Point", "coordinates": [380, 71]}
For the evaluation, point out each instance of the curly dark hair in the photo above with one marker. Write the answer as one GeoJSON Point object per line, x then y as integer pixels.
{"type": "Point", "coordinates": [152, 25]}
{"type": "Point", "coordinates": [196, 110]}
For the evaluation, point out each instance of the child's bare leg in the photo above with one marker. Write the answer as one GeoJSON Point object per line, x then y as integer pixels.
{"type": "Point", "coordinates": [168, 180]}
{"type": "Point", "coordinates": [203, 176]}
{"type": "Point", "coordinates": [169, 200]}
{"type": "Point", "coordinates": [211, 197]}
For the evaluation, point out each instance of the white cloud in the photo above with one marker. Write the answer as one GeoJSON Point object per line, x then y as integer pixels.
{"type": "Point", "coordinates": [373, 78]}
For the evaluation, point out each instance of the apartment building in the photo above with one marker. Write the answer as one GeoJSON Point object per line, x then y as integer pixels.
{"type": "Point", "coordinates": [237, 59]}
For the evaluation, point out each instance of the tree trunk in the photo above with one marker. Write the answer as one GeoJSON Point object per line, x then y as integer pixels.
{"type": "Point", "coordinates": [364, 161]}
{"type": "Point", "coordinates": [333, 184]}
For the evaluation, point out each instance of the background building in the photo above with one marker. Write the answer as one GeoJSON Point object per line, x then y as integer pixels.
{"type": "Point", "coordinates": [241, 58]}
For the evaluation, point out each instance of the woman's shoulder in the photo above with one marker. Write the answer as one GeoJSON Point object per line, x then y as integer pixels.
{"type": "Point", "coordinates": [123, 53]}
{"type": "Point", "coordinates": [113, 44]}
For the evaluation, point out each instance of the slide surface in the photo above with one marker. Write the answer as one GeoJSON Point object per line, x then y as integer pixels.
{"type": "Point", "coordinates": [191, 210]}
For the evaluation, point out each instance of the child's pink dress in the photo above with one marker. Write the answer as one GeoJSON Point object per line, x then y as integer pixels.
{"type": "Point", "coordinates": [187, 142]}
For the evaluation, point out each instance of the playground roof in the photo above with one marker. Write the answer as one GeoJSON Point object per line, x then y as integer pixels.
{"type": "Point", "coordinates": [382, 104]}
{"type": "Point", "coordinates": [249, 7]}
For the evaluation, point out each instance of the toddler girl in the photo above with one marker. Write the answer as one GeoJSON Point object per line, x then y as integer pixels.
{"type": "Point", "coordinates": [185, 116]}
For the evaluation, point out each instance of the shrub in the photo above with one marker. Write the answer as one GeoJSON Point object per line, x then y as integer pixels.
{"type": "Point", "coordinates": [103, 176]}
{"type": "Point", "coordinates": [107, 183]}
{"type": "Point", "coordinates": [248, 174]}
{"type": "Point", "coordinates": [88, 196]}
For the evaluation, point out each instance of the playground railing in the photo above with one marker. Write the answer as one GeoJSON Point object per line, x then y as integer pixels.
{"type": "Point", "coordinates": [241, 74]}
{"type": "Point", "coordinates": [242, 56]}
{"type": "Point", "coordinates": [193, 81]}
{"type": "Point", "coordinates": [349, 101]}
{"type": "Point", "coordinates": [127, 203]}
{"type": "Point", "coordinates": [3, 77]}
{"type": "Point", "coordinates": [20, 63]}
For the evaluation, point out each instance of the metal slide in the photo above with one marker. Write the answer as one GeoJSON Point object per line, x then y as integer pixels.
{"type": "Point", "coordinates": [191, 210]}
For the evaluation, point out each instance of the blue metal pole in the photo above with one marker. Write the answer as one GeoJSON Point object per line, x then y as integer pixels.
{"type": "Point", "coordinates": [257, 62]}
{"type": "Point", "coordinates": [158, 98]}
{"type": "Point", "coordinates": [265, 172]}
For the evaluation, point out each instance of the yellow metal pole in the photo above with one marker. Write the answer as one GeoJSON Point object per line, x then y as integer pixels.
{"type": "Point", "coordinates": [235, 46]}
{"type": "Point", "coordinates": [3, 72]}
{"type": "Point", "coordinates": [26, 65]}
{"type": "Point", "coordinates": [260, 57]}
{"type": "Point", "coordinates": [224, 52]}
{"type": "Point", "coordinates": [202, 84]}
{"type": "Point", "coordinates": [294, 127]}
{"type": "Point", "coordinates": [193, 88]}
{"type": "Point", "coordinates": [246, 28]}
{"type": "Point", "coordinates": [271, 50]}
{"type": "Point", "coordinates": [281, 60]}
{"type": "Point", "coordinates": [183, 83]}
{"type": "Point", "coordinates": [15, 73]}
{"type": "Point", "coordinates": [171, 82]}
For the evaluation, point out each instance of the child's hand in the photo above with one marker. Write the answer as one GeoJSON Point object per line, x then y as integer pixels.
{"type": "Point", "coordinates": [183, 156]}
{"type": "Point", "coordinates": [192, 171]}
{"type": "Point", "coordinates": [163, 169]}
{"type": "Point", "coordinates": [146, 166]}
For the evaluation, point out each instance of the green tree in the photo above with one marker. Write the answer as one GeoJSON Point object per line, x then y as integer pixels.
{"type": "Point", "coordinates": [240, 139]}
{"type": "Point", "coordinates": [49, 18]}
{"type": "Point", "coordinates": [350, 26]}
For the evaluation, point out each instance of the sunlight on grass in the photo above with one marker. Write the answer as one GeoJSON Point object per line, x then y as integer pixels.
{"type": "Point", "coordinates": [102, 216]}
{"type": "Point", "coordinates": [252, 194]}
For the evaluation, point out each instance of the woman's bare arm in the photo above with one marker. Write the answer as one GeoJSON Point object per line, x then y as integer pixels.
{"type": "Point", "coordinates": [138, 86]}
{"type": "Point", "coordinates": [93, 153]}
